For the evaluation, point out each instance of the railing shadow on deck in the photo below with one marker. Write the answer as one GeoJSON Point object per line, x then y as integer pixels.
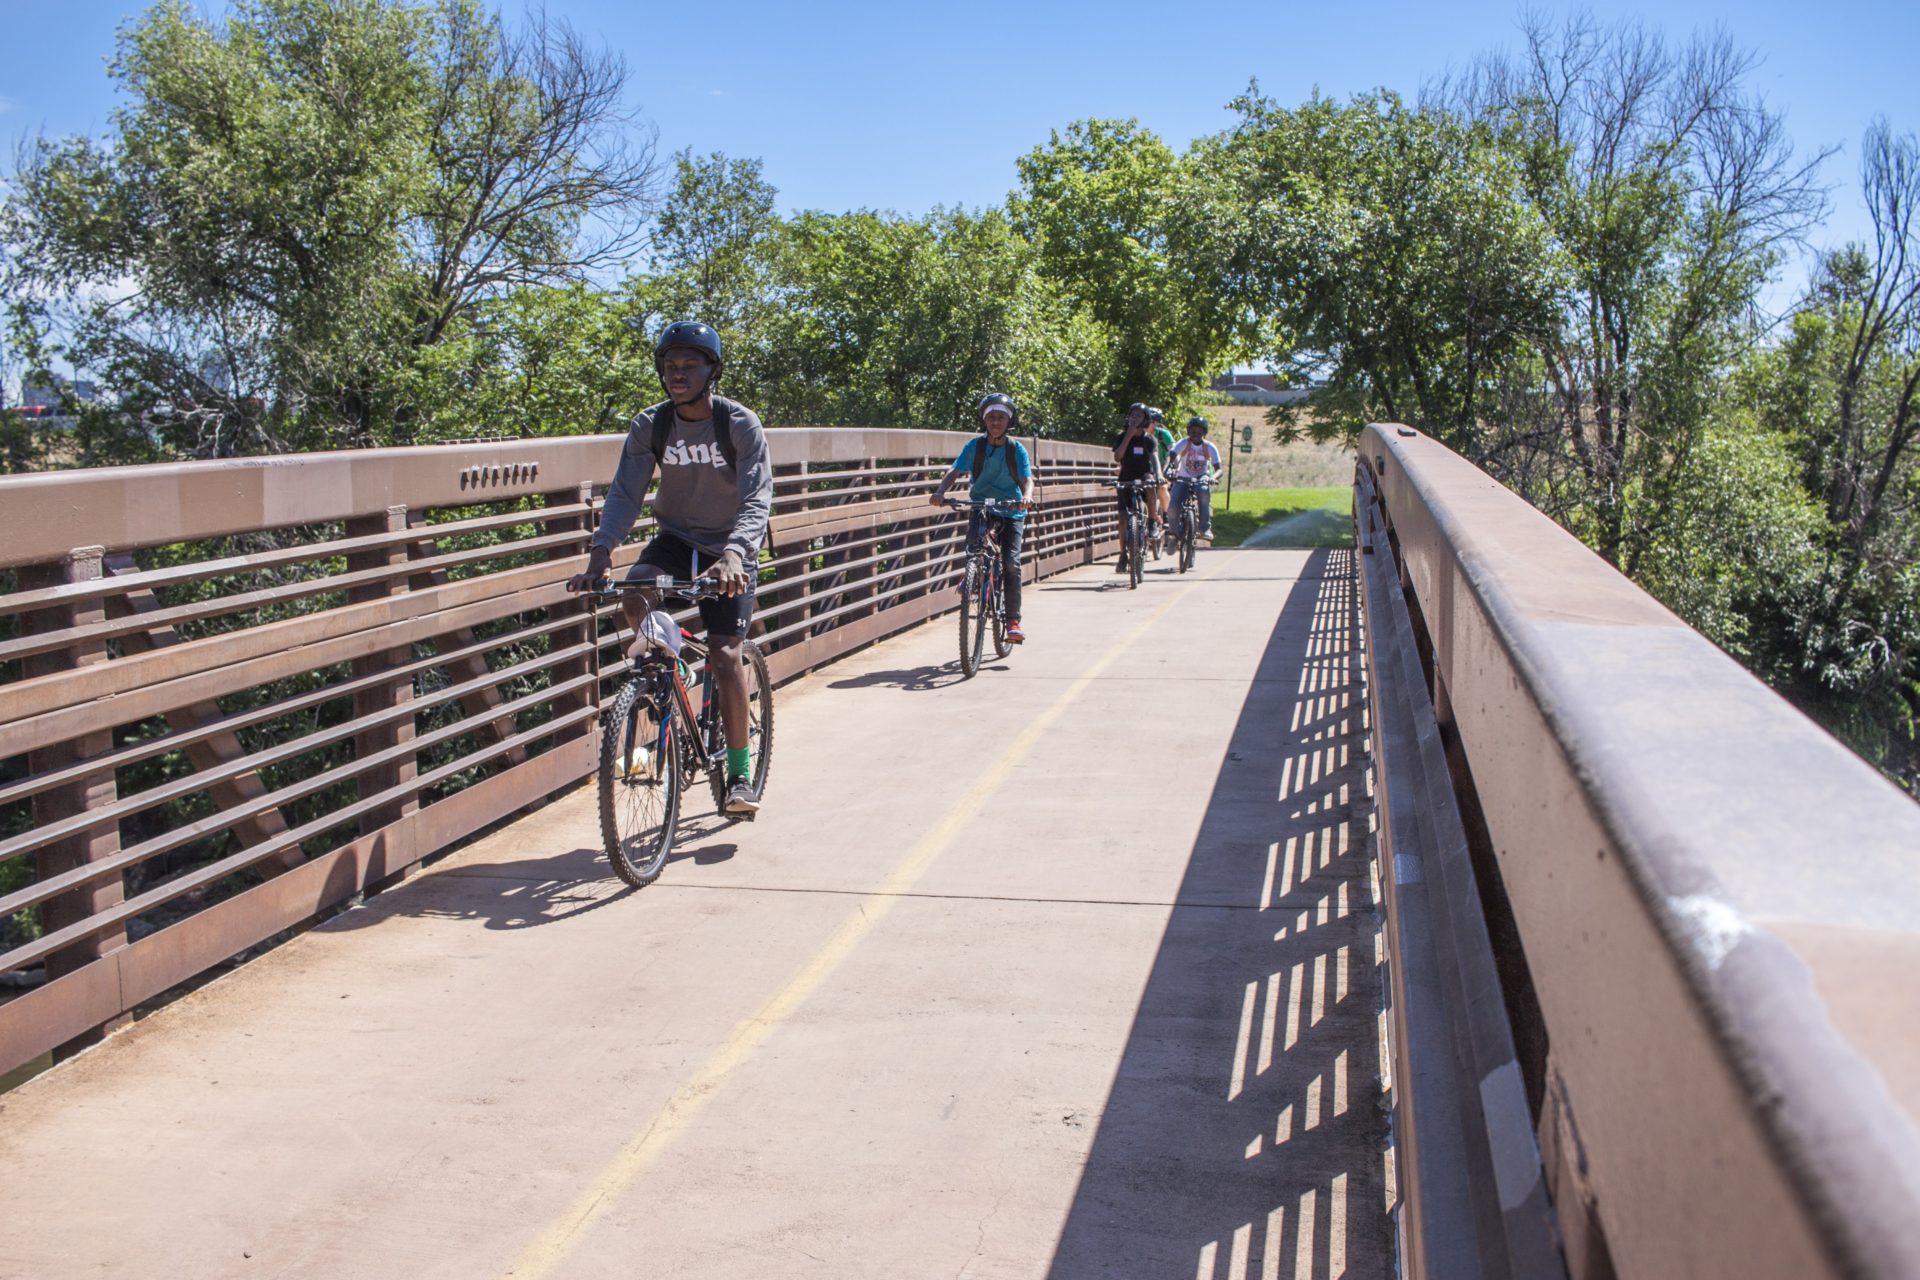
{"type": "Point", "coordinates": [1243, 1134]}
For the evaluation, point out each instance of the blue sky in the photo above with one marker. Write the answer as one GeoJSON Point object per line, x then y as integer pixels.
{"type": "Point", "coordinates": [905, 107]}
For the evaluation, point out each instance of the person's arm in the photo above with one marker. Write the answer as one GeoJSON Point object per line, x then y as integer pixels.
{"type": "Point", "coordinates": [755, 477]}
{"type": "Point", "coordinates": [960, 464]}
{"type": "Point", "coordinates": [1026, 475]}
{"type": "Point", "coordinates": [624, 498]}
{"type": "Point", "coordinates": [1126, 438]}
{"type": "Point", "coordinates": [1213, 459]}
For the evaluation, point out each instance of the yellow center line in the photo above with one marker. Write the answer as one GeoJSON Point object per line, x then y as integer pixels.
{"type": "Point", "coordinates": [565, 1232]}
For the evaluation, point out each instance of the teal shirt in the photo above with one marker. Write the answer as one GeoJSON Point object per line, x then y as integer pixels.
{"type": "Point", "coordinates": [1163, 438]}
{"type": "Point", "coordinates": [991, 480]}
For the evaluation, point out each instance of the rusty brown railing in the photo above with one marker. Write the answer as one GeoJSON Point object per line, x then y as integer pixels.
{"type": "Point", "coordinates": [235, 694]}
{"type": "Point", "coordinates": [1696, 913]}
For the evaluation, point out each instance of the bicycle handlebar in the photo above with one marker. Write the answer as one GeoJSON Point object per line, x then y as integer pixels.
{"type": "Point", "coordinates": [993, 506]}
{"type": "Point", "coordinates": [695, 589]}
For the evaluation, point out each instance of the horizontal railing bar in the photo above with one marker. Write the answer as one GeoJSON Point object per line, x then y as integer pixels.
{"type": "Point", "coordinates": [925, 586]}
{"type": "Point", "coordinates": [28, 953]}
{"type": "Point", "coordinates": [31, 697]}
{"type": "Point", "coordinates": [89, 872]}
{"type": "Point", "coordinates": [177, 575]}
{"type": "Point", "coordinates": [199, 780]}
{"type": "Point", "coordinates": [221, 606]}
{"type": "Point", "coordinates": [923, 568]}
{"type": "Point", "coordinates": [151, 747]}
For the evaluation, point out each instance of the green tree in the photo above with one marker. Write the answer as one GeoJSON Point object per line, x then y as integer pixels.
{"type": "Point", "coordinates": [1400, 262]}
{"type": "Point", "coordinates": [300, 199]}
{"type": "Point", "coordinates": [1121, 226]}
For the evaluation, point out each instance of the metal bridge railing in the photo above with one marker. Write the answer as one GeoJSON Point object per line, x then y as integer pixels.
{"type": "Point", "coordinates": [1703, 911]}
{"type": "Point", "coordinates": [235, 694]}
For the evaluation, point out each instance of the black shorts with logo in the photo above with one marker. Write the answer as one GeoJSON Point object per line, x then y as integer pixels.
{"type": "Point", "coordinates": [722, 615]}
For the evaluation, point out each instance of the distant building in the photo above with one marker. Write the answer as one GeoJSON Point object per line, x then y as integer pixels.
{"type": "Point", "coordinates": [1259, 388]}
{"type": "Point", "coordinates": [46, 391]}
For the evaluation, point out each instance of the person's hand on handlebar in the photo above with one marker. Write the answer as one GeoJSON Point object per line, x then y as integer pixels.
{"type": "Point", "coordinates": [599, 561]}
{"type": "Point", "coordinates": [730, 573]}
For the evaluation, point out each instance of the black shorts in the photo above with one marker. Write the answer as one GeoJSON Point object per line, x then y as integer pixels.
{"type": "Point", "coordinates": [722, 615]}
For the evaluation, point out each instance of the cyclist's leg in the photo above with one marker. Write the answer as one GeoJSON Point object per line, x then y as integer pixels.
{"type": "Point", "coordinates": [667, 555]}
{"type": "Point", "coordinates": [1124, 498]}
{"type": "Point", "coordinates": [725, 619]}
{"type": "Point", "coordinates": [976, 529]}
{"type": "Point", "coordinates": [1206, 510]}
{"type": "Point", "coordinates": [1179, 496]}
{"type": "Point", "coordinates": [1011, 532]}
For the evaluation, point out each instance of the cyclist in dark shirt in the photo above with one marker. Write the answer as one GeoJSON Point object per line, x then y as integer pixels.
{"type": "Point", "coordinates": [1138, 454]}
{"type": "Point", "coordinates": [712, 507]}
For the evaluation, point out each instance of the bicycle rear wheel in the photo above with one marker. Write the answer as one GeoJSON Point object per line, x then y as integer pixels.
{"type": "Point", "coordinates": [1001, 645]}
{"type": "Point", "coordinates": [639, 786]}
{"type": "Point", "coordinates": [759, 730]}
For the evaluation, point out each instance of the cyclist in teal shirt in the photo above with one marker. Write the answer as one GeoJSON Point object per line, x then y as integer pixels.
{"type": "Point", "coordinates": [1163, 441]}
{"type": "Point", "coordinates": [1002, 472]}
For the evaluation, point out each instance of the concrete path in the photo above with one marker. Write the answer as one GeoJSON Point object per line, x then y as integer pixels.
{"type": "Point", "coordinates": [1070, 970]}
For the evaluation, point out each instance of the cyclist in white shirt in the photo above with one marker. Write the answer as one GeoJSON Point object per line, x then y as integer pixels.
{"type": "Point", "coordinates": [1193, 460]}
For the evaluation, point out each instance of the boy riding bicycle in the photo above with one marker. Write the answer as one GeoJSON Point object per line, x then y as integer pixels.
{"type": "Point", "coordinates": [1196, 460]}
{"type": "Point", "coordinates": [716, 491]}
{"type": "Point", "coordinates": [1002, 472]}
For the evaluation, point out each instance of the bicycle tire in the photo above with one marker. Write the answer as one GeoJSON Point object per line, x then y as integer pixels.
{"type": "Point", "coordinates": [1001, 645]}
{"type": "Point", "coordinates": [638, 816]}
{"type": "Point", "coordinates": [982, 606]}
{"type": "Point", "coordinates": [759, 730]}
{"type": "Point", "coordinates": [969, 659]}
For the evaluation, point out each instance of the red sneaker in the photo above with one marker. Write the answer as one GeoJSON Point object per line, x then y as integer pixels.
{"type": "Point", "coordinates": [1014, 634]}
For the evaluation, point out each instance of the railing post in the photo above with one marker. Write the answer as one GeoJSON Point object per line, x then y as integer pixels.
{"type": "Point", "coordinates": [93, 791]}
{"type": "Point", "coordinates": [585, 632]}
{"type": "Point", "coordinates": [390, 694]}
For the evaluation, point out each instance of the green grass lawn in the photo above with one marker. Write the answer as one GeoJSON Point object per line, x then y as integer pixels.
{"type": "Point", "coordinates": [1304, 517]}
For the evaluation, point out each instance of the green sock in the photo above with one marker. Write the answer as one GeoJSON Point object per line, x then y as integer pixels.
{"type": "Point", "coordinates": [737, 762]}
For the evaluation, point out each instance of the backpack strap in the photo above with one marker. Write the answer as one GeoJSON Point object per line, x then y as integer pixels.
{"type": "Point", "coordinates": [723, 419]}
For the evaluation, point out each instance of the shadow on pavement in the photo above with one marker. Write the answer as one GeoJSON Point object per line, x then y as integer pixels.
{"type": "Point", "coordinates": [914, 680]}
{"type": "Point", "coordinates": [521, 893]}
{"type": "Point", "coordinates": [1243, 1134]}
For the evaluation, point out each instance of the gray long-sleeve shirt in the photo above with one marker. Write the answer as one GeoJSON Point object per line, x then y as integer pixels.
{"type": "Point", "coordinates": [702, 501]}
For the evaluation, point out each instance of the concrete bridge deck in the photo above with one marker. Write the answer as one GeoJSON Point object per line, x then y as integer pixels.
{"type": "Point", "coordinates": [1068, 970]}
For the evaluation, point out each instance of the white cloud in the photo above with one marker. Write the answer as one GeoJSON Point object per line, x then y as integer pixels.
{"type": "Point", "coordinates": [6, 105]}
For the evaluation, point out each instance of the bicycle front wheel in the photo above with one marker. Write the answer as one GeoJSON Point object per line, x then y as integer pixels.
{"type": "Point", "coordinates": [969, 656]}
{"type": "Point", "coordinates": [1135, 544]}
{"type": "Point", "coordinates": [759, 730]}
{"type": "Point", "coordinates": [639, 786]}
{"type": "Point", "coordinates": [982, 607]}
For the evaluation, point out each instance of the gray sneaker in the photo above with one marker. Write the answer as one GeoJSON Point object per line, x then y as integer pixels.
{"type": "Point", "coordinates": [740, 797]}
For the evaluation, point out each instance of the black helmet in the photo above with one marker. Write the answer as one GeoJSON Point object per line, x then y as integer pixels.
{"type": "Point", "coordinates": [1197, 421]}
{"type": "Point", "coordinates": [1154, 415]}
{"type": "Point", "coordinates": [1136, 405]}
{"type": "Point", "coordinates": [999, 400]}
{"type": "Point", "coordinates": [692, 336]}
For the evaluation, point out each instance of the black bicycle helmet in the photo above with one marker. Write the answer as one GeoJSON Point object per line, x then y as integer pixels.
{"type": "Point", "coordinates": [998, 399]}
{"type": "Point", "coordinates": [1197, 421]}
{"type": "Point", "coordinates": [691, 335]}
{"type": "Point", "coordinates": [1154, 415]}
